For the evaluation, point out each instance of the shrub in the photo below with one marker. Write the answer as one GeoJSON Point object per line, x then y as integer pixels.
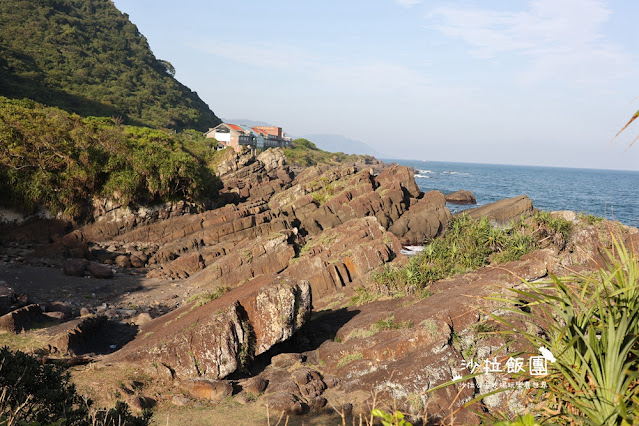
{"type": "Point", "coordinates": [591, 325]}
{"type": "Point", "coordinates": [33, 393]}
{"type": "Point", "coordinates": [60, 161]}
{"type": "Point", "coordinates": [305, 153]}
{"type": "Point", "coordinates": [554, 228]}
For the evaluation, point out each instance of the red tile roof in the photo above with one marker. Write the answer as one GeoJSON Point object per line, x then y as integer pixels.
{"type": "Point", "coordinates": [234, 127]}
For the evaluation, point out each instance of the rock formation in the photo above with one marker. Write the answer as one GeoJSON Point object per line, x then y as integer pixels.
{"type": "Point", "coordinates": [428, 218]}
{"type": "Point", "coordinates": [232, 290]}
{"type": "Point", "coordinates": [461, 197]}
{"type": "Point", "coordinates": [212, 339]}
{"type": "Point", "coordinates": [504, 211]}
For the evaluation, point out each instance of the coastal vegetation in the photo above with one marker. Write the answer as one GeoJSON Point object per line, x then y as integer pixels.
{"type": "Point", "coordinates": [88, 113]}
{"type": "Point", "coordinates": [469, 244]}
{"type": "Point", "coordinates": [86, 57]}
{"type": "Point", "coordinates": [633, 118]}
{"type": "Point", "coordinates": [32, 393]}
{"type": "Point", "coordinates": [587, 328]}
{"type": "Point", "coordinates": [303, 152]}
{"type": "Point", "coordinates": [591, 325]}
{"type": "Point", "coordinates": [61, 161]}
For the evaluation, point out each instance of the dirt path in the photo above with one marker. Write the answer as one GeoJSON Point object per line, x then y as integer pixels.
{"type": "Point", "coordinates": [128, 290]}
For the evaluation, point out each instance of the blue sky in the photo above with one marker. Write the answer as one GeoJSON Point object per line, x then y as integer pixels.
{"type": "Point", "coordinates": [540, 82]}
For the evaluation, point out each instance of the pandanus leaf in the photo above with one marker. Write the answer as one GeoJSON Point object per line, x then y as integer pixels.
{"type": "Point", "coordinates": [633, 118]}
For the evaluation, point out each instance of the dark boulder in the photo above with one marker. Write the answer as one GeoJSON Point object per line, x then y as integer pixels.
{"type": "Point", "coordinates": [462, 197]}
{"type": "Point", "coordinates": [100, 271]}
{"type": "Point", "coordinates": [75, 267]}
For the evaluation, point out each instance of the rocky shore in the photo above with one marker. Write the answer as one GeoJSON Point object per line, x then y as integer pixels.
{"type": "Point", "coordinates": [260, 301]}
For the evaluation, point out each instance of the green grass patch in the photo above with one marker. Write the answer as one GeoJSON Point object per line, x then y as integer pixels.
{"type": "Point", "coordinates": [554, 228]}
{"type": "Point", "coordinates": [383, 324]}
{"type": "Point", "coordinates": [590, 219]}
{"type": "Point", "coordinates": [303, 152]}
{"type": "Point", "coordinates": [349, 358]}
{"type": "Point", "coordinates": [204, 298]}
{"type": "Point", "coordinates": [430, 326]}
{"type": "Point", "coordinates": [468, 245]}
{"type": "Point", "coordinates": [325, 239]}
{"type": "Point", "coordinates": [363, 295]}
{"type": "Point", "coordinates": [389, 323]}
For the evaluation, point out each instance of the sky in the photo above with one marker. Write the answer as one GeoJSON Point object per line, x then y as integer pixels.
{"type": "Point", "coordinates": [533, 82]}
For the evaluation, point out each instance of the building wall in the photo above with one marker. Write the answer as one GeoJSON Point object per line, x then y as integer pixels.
{"type": "Point", "coordinates": [266, 137]}
{"type": "Point", "coordinates": [223, 137]}
{"type": "Point", "coordinates": [271, 130]}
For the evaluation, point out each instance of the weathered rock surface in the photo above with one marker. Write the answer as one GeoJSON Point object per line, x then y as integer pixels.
{"type": "Point", "coordinates": [182, 267]}
{"type": "Point", "coordinates": [251, 258]}
{"type": "Point", "coordinates": [22, 319]}
{"type": "Point", "coordinates": [10, 301]}
{"type": "Point", "coordinates": [71, 245]}
{"type": "Point", "coordinates": [344, 255]}
{"type": "Point", "coordinates": [420, 349]}
{"type": "Point", "coordinates": [7, 299]}
{"type": "Point", "coordinates": [61, 307]}
{"type": "Point", "coordinates": [428, 218]}
{"type": "Point", "coordinates": [72, 336]}
{"type": "Point", "coordinates": [273, 159]}
{"type": "Point", "coordinates": [89, 335]}
{"type": "Point", "coordinates": [504, 211]}
{"type": "Point", "coordinates": [296, 392]}
{"type": "Point", "coordinates": [112, 219]}
{"type": "Point", "coordinates": [461, 197]}
{"type": "Point", "coordinates": [230, 245]}
{"type": "Point", "coordinates": [255, 385]}
{"type": "Point", "coordinates": [217, 338]}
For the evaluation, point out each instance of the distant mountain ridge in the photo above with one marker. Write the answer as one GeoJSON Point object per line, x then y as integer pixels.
{"type": "Point", "coordinates": [85, 56]}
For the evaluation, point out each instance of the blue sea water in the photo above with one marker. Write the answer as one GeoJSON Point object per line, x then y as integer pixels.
{"type": "Point", "coordinates": [612, 194]}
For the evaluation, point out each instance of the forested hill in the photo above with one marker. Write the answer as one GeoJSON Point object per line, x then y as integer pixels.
{"type": "Point", "coordinates": [85, 56]}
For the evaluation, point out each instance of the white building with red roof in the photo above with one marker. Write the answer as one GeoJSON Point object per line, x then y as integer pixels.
{"type": "Point", "coordinates": [259, 137]}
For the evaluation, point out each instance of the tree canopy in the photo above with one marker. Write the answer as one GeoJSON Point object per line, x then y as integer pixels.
{"type": "Point", "coordinates": [86, 57]}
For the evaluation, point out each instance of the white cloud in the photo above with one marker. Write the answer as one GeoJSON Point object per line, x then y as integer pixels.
{"type": "Point", "coordinates": [408, 3]}
{"type": "Point", "coordinates": [348, 74]}
{"type": "Point", "coordinates": [267, 55]}
{"type": "Point", "coordinates": [558, 38]}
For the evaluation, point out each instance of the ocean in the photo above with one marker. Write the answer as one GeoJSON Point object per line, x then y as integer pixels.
{"type": "Point", "coordinates": [611, 194]}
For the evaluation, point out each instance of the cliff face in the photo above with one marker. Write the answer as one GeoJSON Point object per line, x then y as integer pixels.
{"type": "Point", "coordinates": [86, 57]}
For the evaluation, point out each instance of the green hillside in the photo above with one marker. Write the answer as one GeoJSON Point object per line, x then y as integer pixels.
{"type": "Point", "coordinates": [86, 57]}
{"type": "Point", "coordinates": [303, 152]}
{"type": "Point", "coordinates": [60, 161]}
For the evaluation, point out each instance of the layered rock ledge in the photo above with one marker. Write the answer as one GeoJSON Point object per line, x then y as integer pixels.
{"type": "Point", "coordinates": [266, 297]}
